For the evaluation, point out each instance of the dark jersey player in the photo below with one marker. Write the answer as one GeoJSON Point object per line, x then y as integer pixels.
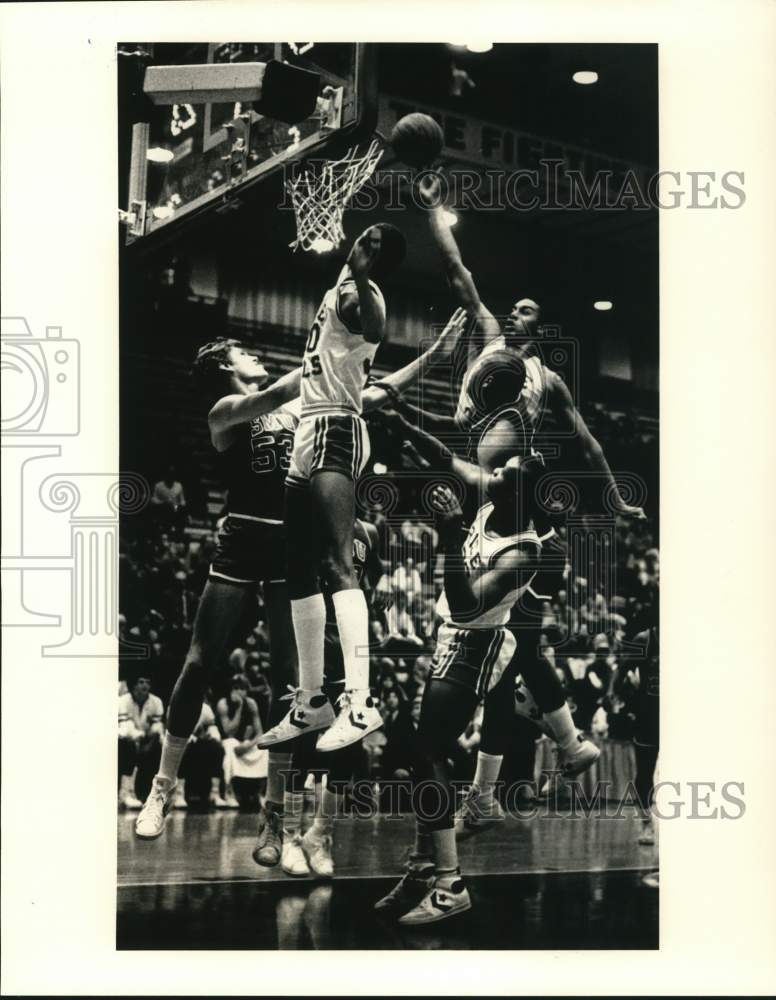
{"type": "Point", "coordinates": [506, 388]}
{"type": "Point", "coordinates": [252, 430]}
{"type": "Point", "coordinates": [312, 853]}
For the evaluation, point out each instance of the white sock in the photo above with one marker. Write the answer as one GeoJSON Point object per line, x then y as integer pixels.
{"type": "Point", "coordinates": [323, 824]}
{"type": "Point", "coordinates": [353, 624]}
{"type": "Point", "coordinates": [562, 725]}
{"type": "Point", "coordinates": [309, 617]}
{"type": "Point", "coordinates": [445, 851]}
{"type": "Point", "coordinates": [173, 748]}
{"type": "Point", "coordinates": [486, 775]}
{"type": "Point", "coordinates": [293, 803]}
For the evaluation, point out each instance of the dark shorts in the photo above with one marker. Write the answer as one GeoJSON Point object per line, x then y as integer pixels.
{"type": "Point", "coordinates": [473, 658]}
{"type": "Point", "coordinates": [249, 552]}
{"type": "Point", "coordinates": [335, 443]}
{"type": "Point", "coordinates": [646, 732]}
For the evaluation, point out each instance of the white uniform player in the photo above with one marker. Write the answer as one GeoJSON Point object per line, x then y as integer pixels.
{"type": "Point", "coordinates": [336, 364]}
{"type": "Point", "coordinates": [477, 653]}
{"type": "Point", "coordinates": [331, 449]}
{"type": "Point", "coordinates": [499, 358]}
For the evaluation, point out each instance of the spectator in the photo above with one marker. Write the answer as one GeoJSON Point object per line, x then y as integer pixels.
{"type": "Point", "coordinates": [245, 766]}
{"type": "Point", "coordinates": [404, 681]}
{"type": "Point", "coordinates": [406, 580]}
{"type": "Point", "coordinates": [202, 766]}
{"type": "Point", "coordinates": [140, 741]}
{"type": "Point", "coordinates": [168, 502]}
{"type": "Point", "coordinates": [402, 637]}
{"type": "Point", "coordinates": [420, 672]}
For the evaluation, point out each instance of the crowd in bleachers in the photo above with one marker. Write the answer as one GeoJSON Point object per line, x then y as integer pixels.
{"type": "Point", "coordinates": [163, 569]}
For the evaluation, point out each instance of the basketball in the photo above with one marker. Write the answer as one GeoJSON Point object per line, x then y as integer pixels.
{"type": "Point", "coordinates": [417, 139]}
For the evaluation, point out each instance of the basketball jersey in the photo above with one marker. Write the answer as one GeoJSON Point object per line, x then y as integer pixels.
{"type": "Point", "coordinates": [336, 362]}
{"type": "Point", "coordinates": [254, 466]}
{"type": "Point", "coordinates": [528, 611]}
{"type": "Point", "coordinates": [471, 412]}
{"type": "Point", "coordinates": [480, 551]}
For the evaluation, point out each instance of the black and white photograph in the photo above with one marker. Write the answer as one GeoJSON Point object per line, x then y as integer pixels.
{"type": "Point", "coordinates": [385, 412]}
{"type": "Point", "coordinates": [389, 363]}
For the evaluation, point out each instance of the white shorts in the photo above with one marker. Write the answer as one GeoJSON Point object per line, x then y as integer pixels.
{"type": "Point", "coordinates": [334, 443]}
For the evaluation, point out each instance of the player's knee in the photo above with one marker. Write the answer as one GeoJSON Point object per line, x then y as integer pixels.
{"type": "Point", "coordinates": [194, 673]}
{"type": "Point", "coordinates": [337, 571]}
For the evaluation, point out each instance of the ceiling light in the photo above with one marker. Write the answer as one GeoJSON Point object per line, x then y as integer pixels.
{"type": "Point", "coordinates": [603, 306]}
{"type": "Point", "coordinates": [157, 154]}
{"type": "Point", "coordinates": [479, 46]}
{"type": "Point", "coordinates": [585, 76]}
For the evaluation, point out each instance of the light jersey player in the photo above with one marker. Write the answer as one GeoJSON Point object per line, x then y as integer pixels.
{"type": "Point", "coordinates": [576, 753]}
{"type": "Point", "coordinates": [312, 852]}
{"type": "Point", "coordinates": [483, 578]}
{"type": "Point", "coordinates": [331, 449]}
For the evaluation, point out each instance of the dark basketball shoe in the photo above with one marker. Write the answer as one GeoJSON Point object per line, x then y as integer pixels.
{"type": "Point", "coordinates": [270, 840]}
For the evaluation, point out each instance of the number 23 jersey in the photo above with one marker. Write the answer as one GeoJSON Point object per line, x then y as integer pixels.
{"type": "Point", "coordinates": [336, 360]}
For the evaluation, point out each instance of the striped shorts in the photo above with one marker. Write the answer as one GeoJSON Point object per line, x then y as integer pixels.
{"type": "Point", "coordinates": [473, 657]}
{"type": "Point", "coordinates": [333, 443]}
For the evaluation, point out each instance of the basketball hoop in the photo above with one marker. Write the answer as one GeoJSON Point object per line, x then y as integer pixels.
{"type": "Point", "coordinates": [320, 199]}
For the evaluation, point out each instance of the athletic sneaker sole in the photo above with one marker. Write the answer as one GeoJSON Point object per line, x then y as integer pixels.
{"type": "Point", "coordinates": [465, 830]}
{"type": "Point", "coordinates": [264, 743]}
{"type": "Point", "coordinates": [433, 920]}
{"type": "Point", "coordinates": [296, 874]}
{"type": "Point", "coordinates": [149, 836]}
{"type": "Point", "coordinates": [573, 770]}
{"type": "Point", "coordinates": [362, 734]}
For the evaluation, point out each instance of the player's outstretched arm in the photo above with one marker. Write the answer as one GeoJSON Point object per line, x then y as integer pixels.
{"type": "Point", "coordinates": [570, 421]}
{"type": "Point", "coordinates": [370, 320]}
{"type": "Point", "coordinates": [437, 454]}
{"type": "Point", "coordinates": [469, 598]}
{"type": "Point", "coordinates": [375, 583]}
{"type": "Point", "coordinates": [388, 389]}
{"type": "Point", "coordinates": [240, 409]}
{"type": "Point", "coordinates": [460, 278]}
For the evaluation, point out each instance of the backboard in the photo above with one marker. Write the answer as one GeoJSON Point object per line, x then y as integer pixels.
{"type": "Point", "coordinates": [187, 157]}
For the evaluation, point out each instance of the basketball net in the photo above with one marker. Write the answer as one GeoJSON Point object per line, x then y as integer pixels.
{"type": "Point", "coordinates": [320, 199]}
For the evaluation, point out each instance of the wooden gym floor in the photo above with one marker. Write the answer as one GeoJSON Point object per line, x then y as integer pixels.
{"type": "Point", "coordinates": [554, 881]}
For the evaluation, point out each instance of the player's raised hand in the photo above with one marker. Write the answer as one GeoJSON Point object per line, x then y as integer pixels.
{"type": "Point", "coordinates": [429, 186]}
{"type": "Point", "coordinates": [364, 251]}
{"type": "Point", "coordinates": [448, 338]}
{"type": "Point", "coordinates": [447, 511]}
{"type": "Point", "coordinates": [382, 595]}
